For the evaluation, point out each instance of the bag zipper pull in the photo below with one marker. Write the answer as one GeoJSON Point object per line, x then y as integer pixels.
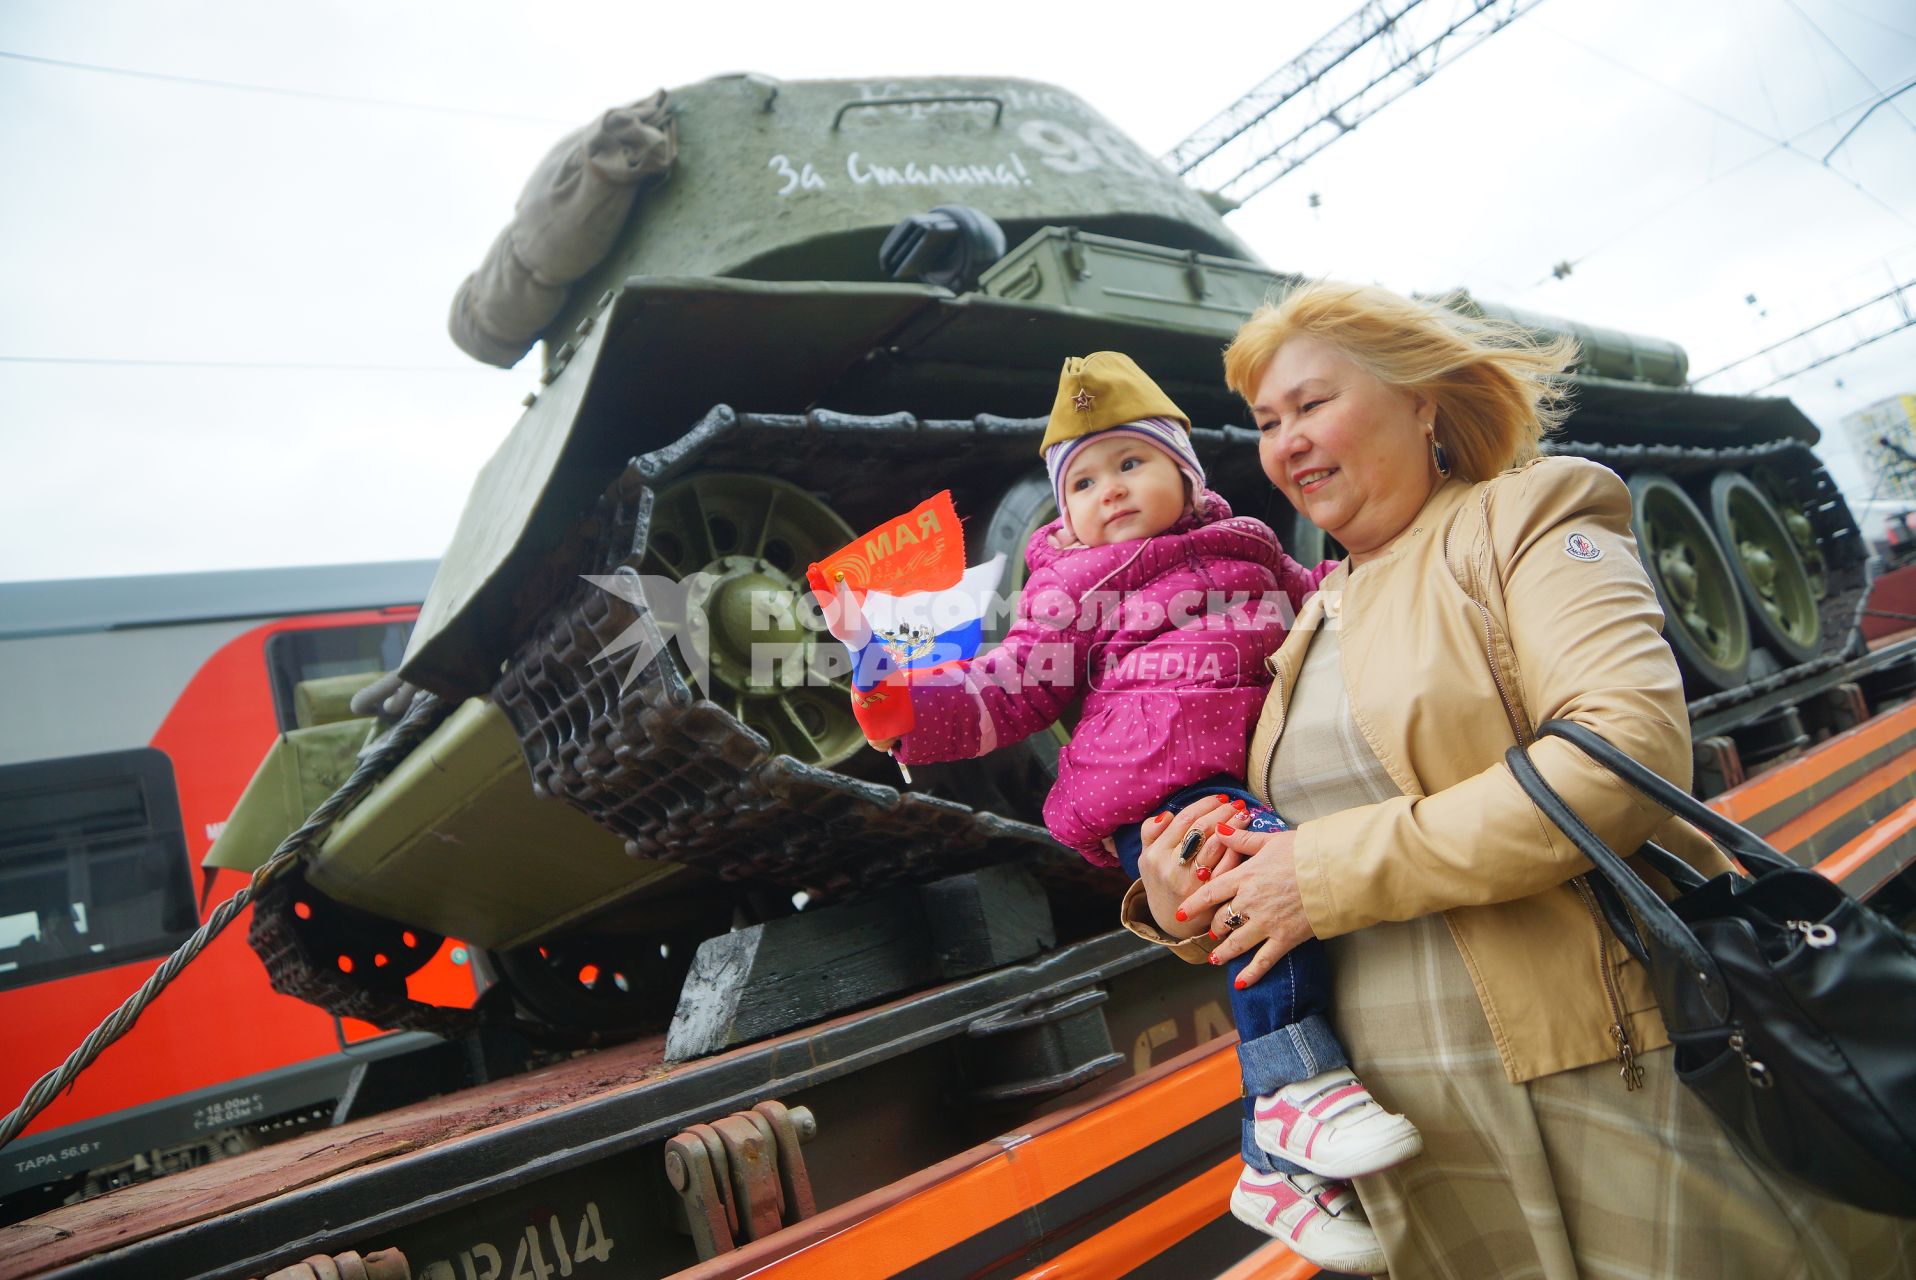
{"type": "Point", "coordinates": [1626, 1059]}
{"type": "Point", "coordinates": [1817, 935]}
{"type": "Point", "coordinates": [1757, 1074]}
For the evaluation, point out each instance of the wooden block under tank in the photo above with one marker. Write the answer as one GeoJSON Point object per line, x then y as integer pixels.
{"type": "Point", "coordinates": [772, 977]}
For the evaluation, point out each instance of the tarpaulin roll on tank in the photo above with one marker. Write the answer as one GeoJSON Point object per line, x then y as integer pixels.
{"type": "Point", "coordinates": [564, 222]}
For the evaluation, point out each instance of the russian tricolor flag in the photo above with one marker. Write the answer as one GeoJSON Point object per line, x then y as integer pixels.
{"type": "Point", "coordinates": [900, 599]}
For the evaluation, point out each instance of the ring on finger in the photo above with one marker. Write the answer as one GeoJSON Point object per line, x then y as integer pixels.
{"type": "Point", "coordinates": [1234, 920]}
{"type": "Point", "coordinates": [1192, 842]}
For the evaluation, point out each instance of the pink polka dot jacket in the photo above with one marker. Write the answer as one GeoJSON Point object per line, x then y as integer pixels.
{"type": "Point", "coordinates": [1164, 639]}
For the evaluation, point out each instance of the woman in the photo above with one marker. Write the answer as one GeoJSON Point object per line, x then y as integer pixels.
{"type": "Point", "coordinates": [1475, 983]}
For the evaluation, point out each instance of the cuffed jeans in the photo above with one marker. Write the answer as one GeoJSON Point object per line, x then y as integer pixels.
{"type": "Point", "coordinates": [1282, 1033]}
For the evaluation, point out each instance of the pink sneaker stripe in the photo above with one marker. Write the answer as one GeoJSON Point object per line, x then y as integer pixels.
{"type": "Point", "coordinates": [1313, 1142]}
{"type": "Point", "coordinates": [1317, 1108]}
{"type": "Point", "coordinates": [1282, 1110]}
{"type": "Point", "coordinates": [1281, 1195]}
{"type": "Point", "coordinates": [1280, 1190]}
{"type": "Point", "coordinates": [1298, 1230]}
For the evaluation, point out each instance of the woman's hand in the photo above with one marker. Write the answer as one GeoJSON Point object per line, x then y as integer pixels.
{"type": "Point", "coordinates": [1168, 873]}
{"type": "Point", "coordinates": [1261, 887]}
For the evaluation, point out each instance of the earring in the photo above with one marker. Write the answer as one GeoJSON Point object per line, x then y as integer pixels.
{"type": "Point", "coordinates": [1437, 452]}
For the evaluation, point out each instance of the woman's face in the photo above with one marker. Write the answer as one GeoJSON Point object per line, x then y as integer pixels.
{"type": "Point", "coordinates": [1347, 450]}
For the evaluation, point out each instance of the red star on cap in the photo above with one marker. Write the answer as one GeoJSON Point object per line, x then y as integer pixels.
{"type": "Point", "coordinates": [1083, 399]}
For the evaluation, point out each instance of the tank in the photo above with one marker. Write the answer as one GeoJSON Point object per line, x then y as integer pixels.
{"type": "Point", "coordinates": [845, 296]}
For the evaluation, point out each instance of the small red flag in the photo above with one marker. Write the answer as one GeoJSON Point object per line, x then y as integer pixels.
{"type": "Point", "coordinates": [922, 550]}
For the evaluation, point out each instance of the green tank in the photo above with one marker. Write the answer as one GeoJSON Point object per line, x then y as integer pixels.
{"type": "Point", "coordinates": [844, 296]}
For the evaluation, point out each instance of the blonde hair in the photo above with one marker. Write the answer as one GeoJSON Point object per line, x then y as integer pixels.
{"type": "Point", "coordinates": [1497, 387]}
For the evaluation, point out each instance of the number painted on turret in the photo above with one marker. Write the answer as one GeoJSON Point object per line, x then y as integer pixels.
{"type": "Point", "coordinates": [1063, 149]}
{"type": "Point", "coordinates": [1068, 151]}
{"type": "Point", "coordinates": [803, 178]}
{"type": "Point", "coordinates": [538, 1254]}
{"type": "Point", "coordinates": [1115, 148]}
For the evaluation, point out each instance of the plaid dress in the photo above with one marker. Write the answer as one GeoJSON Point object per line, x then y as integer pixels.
{"type": "Point", "coordinates": [1565, 1176]}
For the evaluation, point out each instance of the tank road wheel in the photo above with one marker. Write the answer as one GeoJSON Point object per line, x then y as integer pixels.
{"type": "Point", "coordinates": [1774, 580]}
{"type": "Point", "coordinates": [742, 542]}
{"type": "Point", "coordinates": [1704, 618]}
{"type": "Point", "coordinates": [1025, 771]}
{"type": "Point", "coordinates": [1803, 534]}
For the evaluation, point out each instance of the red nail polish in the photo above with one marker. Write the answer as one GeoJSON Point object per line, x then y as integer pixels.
{"type": "Point", "coordinates": [1226, 829]}
{"type": "Point", "coordinates": [1240, 806]}
{"type": "Point", "coordinates": [1220, 796]}
{"type": "Point", "coordinates": [1204, 873]}
{"type": "Point", "coordinates": [1162, 817]}
{"type": "Point", "coordinates": [1180, 913]}
{"type": "Point", "coordinates": [1239, 984]}
{"type": "Point", "coordinates": [1215, 960]}
{"type": "Point", "coordinates": [1211, 934]}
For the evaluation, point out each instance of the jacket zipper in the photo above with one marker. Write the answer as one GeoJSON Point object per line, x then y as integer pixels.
{"type": "Point", "coordinates": [1619, 1034]}
{"type": "Point", "coordinates": [1626, 1055]}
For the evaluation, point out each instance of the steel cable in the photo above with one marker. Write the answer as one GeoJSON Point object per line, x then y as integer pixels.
{"type": "Point", "coordinates": [425, 712]}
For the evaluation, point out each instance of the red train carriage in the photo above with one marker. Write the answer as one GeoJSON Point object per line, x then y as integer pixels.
{"type": "Point", "coordinates": [135, 712]}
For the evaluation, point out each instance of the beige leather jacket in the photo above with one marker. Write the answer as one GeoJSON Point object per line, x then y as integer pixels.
{"type": "Point", "coordinates": [1507, 603]}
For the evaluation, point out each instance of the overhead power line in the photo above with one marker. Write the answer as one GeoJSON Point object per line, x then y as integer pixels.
{"type": "Point", "coordinates": [1881, 100]}
{"type": "Point", "coordinates": [1853, 65]}
{"type": "Point", "coordinates": [311, 95]}
{"type": "Point", "coordinates": [1871, 321]}
{"type": "Point", "coordinates": [1381, 52]}
{"type": "Point", "coordinates": [1624, 231]}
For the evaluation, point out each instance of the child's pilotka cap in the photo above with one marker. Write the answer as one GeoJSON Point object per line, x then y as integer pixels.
{"type": "Point", "coordinates": [1106, 392]}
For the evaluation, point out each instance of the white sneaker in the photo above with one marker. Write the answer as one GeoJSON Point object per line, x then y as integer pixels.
{"type": "Point", "coordinates": [1332, 1126]}
{"type": "Point", "coordinates": [1318, 1219]}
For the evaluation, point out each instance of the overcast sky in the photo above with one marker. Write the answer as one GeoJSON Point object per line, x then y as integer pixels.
{"type": "Point", "coordinates": [156, 233]}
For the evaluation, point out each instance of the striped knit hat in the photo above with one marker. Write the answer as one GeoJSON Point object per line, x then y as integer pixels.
{"type": "Point", "coordinates": [1167, 434]}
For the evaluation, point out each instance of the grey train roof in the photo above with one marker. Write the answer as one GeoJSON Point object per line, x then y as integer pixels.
{"type": "Point", "coordinates": [62, 606]}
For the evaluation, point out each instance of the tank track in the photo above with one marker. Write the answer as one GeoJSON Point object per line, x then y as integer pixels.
{"type": "Point", "coordinates": [1795, 471]}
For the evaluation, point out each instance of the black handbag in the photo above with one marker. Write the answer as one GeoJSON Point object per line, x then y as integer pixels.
{"type": "Point", "coordinates": [1791, 1005]}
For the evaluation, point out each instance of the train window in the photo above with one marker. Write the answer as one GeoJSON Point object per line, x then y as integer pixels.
{"type": "Point", "coordinates": [315, 652]}
{"type": "Point", "coordinates": [93, 865]}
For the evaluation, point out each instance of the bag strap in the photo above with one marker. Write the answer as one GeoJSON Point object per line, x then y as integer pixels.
{"type": "Point", "coordinates": [1755, 853]}
{"type": "Point", "coordinates": [1650, 910]}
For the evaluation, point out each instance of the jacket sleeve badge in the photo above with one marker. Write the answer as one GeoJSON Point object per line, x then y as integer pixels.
{"type": "Point", "coordinates": [1579, 547]}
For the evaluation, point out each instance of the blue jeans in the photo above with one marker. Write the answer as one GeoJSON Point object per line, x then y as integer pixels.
{"type": "Point", "coordinates": [1282, 1033]}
